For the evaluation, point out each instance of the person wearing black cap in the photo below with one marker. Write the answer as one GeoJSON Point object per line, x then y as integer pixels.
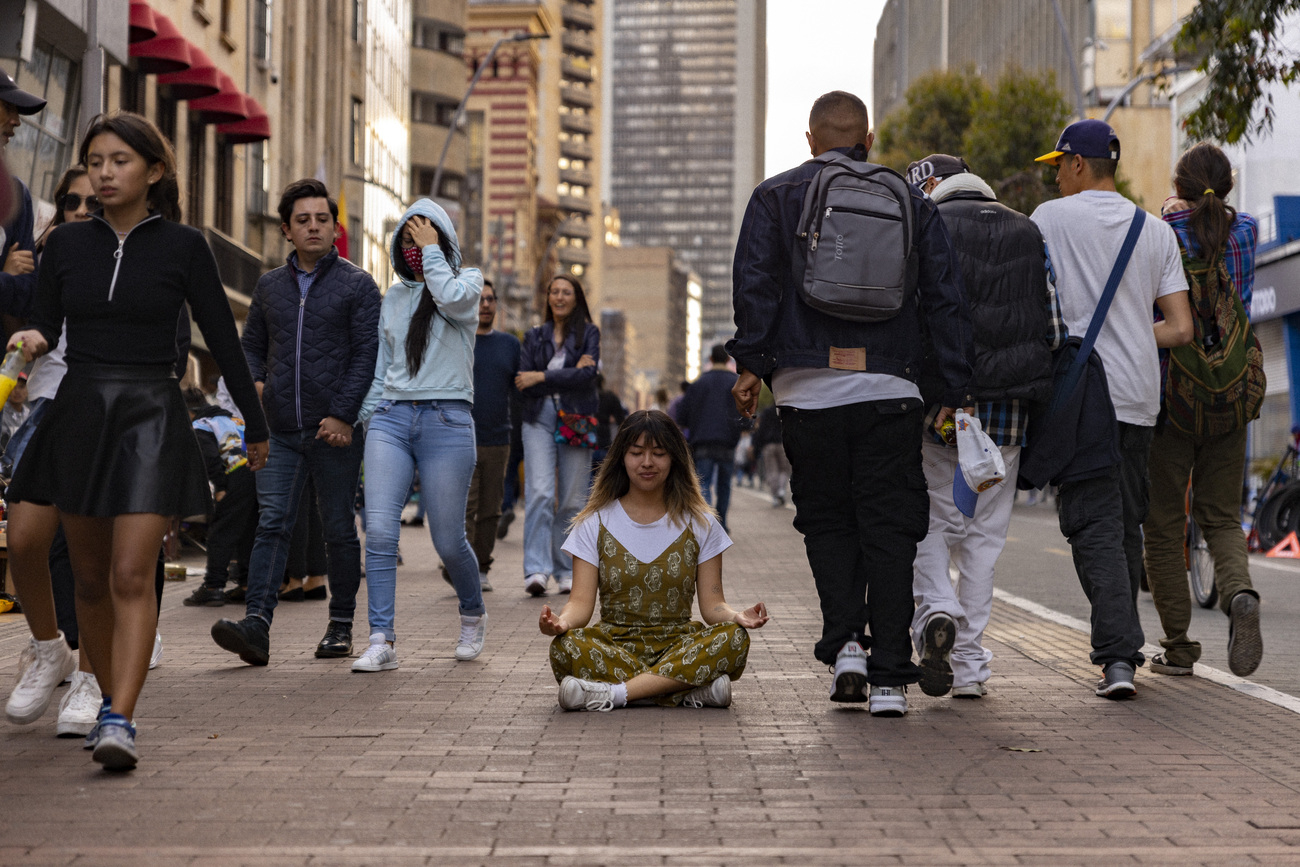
{"type": "Point", "coordinates": [1102, 516]}
{"type": "Point", "coordinates": [17, 244]}
{"type": "Point", "coordinates": [1016, 321]}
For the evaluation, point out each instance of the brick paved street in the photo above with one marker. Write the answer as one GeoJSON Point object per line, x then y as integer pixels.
{"type": "Point", "coordinates": [306, 763]}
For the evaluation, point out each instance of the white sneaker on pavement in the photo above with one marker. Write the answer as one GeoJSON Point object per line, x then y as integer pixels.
{"type": "Point", "coordinates": [379, 656]}
{"type": "Point", "coordinates": [714, 694]}
{"type": "Point", "coordinates": [80, 706]}
{"type": "Point", "coordinates": [484, 585]}
{"type": "Point", "coordinates": [564, 585]}
{"type": "Point", "coordinates": [579, 694]}
{"type": "Point", "coordinates": [535, 584]}
{"type": "Point", "coordinates": [472, 632]}
{"type": "Point", "coordinates": [850, 681]}
{"type": "Point", "coordinates": [42, 666]}
{"type": "Point", "coordinates": [888, 701]}
{"type": "Point", "coordinates": [156, 656]}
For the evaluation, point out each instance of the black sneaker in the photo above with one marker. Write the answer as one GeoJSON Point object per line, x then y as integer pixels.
{"type": "Point", "coordinates": [213, 597]}
{"type": "Point", "coordinates": [503, 525]}
{"type": "Point", "coordinates": [250, 638]}
{"type": "Point", "coordinates": [1117, 681]}
{"type": "Point", "coordinates": [936, 653]}
{"type": "Point", "coordinates": [1245, 644]}
{"type": "Point", "coordinates": [337, 641]}
{"type": "Point", "coordinates": [236, 593]}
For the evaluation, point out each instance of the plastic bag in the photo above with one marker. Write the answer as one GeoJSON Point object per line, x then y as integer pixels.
{"type": "Point", "coordinates": [979, 463]}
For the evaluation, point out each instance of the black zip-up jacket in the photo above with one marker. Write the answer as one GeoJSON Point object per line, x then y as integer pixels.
{"type": "Point", "coordinates": [315, 355]}
{"type": "Point", "coordinates": [775, 328]}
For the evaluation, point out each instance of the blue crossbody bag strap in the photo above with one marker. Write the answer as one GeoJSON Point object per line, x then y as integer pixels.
{"type": "Point", "coordinates": [1099, 315]}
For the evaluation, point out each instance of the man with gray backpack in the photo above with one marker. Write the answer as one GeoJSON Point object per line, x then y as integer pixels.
{"type": "Point", "coordinates": [839, 266]}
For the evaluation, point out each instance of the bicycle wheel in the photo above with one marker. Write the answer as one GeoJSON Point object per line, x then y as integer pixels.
{"type": "Point", "coordinates": [1200, 567]}
{"type": "Point", "coordinates": [1279, 515]}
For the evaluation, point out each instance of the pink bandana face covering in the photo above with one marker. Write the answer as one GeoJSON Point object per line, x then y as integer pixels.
{"type": "Point", "coordinates": [414, 257]}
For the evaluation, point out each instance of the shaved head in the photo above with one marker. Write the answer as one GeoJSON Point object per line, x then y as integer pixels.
{"type": "Point", "coordinates": [838, 119]}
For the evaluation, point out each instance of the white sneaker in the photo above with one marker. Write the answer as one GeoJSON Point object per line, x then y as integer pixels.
{"type": "Point", "coordinates": [850, 681]}
{"type": "Point", "coordinates": [379, 656]}
{"type": "Point", "coordinates": [888, 701]}
{"type": "Point", "coordinates": [80, 707]}
{"type": "Point", "coordinates": [41, 667]}
{"type": "Point", "coordinates": [578, 694]}
{"type": "Point", "coordinates": [970, 690]}
{"type": "Point", "coordinates": [715, 694]}
{"type": "Point", "coordinates": [565, 584]}
{"type": "Point", "coordinates": [484, 585]}
{"type": "Point", "coordinates": [535, 584]}
{"type": "Point", "coordinates": [156, 656]}
{"type": "Point", "coordinates": [472, 632]}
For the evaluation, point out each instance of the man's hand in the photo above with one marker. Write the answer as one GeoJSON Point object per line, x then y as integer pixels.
{"type": "Point", "coordinates": [551, 623]}
{"type": "Point", "coordinates": [423, 232]}
{"type": "Point", "coordinates": [257, 453]}
{"type": "Point", "coordinates": [34, 343]}
{"type": "Point", "coordinates": [745, 392]}
{"type": "Point", "coordinates": [946, 413]}
{"type": "Point", "coordinates": [335, 432]}
{"type": "Point", "coordinates": [19, 262]}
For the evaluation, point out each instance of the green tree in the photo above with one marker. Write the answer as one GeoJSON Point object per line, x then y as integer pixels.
{"type": "Point", "coordinates": [1239, 46]}
{"type": "Point", "coordinates": [937, 111]}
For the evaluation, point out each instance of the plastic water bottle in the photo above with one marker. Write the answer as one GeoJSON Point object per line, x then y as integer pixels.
{"type": "Point", "coordinates": [13, 365]}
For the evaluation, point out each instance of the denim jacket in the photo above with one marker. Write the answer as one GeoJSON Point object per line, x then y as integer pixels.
{"type": "Point", "coordinates": [775, 328]}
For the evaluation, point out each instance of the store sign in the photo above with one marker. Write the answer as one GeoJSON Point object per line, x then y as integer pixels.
{"type": "Point", "coordinates": [1277, 289]}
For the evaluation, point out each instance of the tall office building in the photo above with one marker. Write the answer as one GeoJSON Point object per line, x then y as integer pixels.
{"type": "Point", "coordinates": [685, 115]}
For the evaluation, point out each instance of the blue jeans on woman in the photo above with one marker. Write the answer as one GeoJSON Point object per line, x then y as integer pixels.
{"type": "Point", "coordinates": [437, 438]}
{"type": "Point", "coordinates": [553, 473]}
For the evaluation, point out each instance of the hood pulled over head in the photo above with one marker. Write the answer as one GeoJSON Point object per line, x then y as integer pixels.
{"type": "Point", "coordinates": [440, 219]}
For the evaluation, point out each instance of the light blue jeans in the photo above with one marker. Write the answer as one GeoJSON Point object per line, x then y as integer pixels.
{"type": "Point", "coordinates": [553, 473]}
{"type": "Point", "coordinates": [437, 437]}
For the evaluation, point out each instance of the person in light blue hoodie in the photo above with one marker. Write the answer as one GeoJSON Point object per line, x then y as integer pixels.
{"type": "Point", "coordinates": [418, 411]}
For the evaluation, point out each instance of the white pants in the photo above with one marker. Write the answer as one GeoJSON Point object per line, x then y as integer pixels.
{"type": "Point", "coordinates": [973, 544]}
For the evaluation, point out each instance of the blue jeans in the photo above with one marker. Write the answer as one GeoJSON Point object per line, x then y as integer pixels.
{"type": "Point", "coordinates": [18, 442]}
{"type": "Point", "coordinates": [280, 484]}
{"type": "Point", "coordinates": [553, 473]}
{"type": "Point", "coordinates": [437, 438]}
{"type": "Point", "coordinates": [720, 460]}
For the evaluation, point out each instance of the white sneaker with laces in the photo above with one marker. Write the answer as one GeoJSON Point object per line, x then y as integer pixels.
{"type": "Point", "coordinates": [472, 632]}
{"type": "Point", "coordinates": [850, 681]}
{"type": "Point", "coordinates": [42, 666]}
{"type": "Point", "coordinates": [579, 694]}
{"type": "Point", "coordinates": [888, 701]}
{"type": "Point", "coordinates": [80, 707]}
{"type": "Point", "coordinates": [156, 656]}
{"type": "Point", "coordinates": [564, 585]}
{"type": "Point", "coordinates": [535, 584]}
{"type": "Point", "coordinates": [379, 656]}
{"type": "Point", "coordinates": [714, 694]}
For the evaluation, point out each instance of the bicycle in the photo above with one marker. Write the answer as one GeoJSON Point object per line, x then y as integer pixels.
{"type": "Point", "coordinates": [1277, 508]}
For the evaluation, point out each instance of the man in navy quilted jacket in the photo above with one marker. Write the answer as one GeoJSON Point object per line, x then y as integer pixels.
{"type": "Point", "coordinates": [311, 340]}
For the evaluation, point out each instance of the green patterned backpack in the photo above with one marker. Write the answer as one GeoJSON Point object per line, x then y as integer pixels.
{"type": "Point", "coordinates": [1215, 384]}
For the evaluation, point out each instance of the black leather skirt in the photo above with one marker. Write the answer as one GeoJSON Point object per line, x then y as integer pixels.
{"type": "Point", "coordinates": [116, 440]}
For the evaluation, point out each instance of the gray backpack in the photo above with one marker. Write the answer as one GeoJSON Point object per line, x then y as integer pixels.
{"type": "Point", "coordinates": [855, 241]}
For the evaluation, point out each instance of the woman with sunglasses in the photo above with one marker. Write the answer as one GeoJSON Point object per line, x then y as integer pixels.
{"type": "Point", "coordinates": [120, 280]}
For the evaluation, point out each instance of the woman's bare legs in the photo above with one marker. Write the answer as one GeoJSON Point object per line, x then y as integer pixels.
{"type": "Point", "coordinates": [31, 532]}
{"type": "Point", "coordinates": [114, 560]}
{"type": "Point", "coordinates": [647, 685]}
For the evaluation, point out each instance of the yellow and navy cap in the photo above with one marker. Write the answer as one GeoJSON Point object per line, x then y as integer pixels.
{"type": "Point", "coordinates": [1093, 139]}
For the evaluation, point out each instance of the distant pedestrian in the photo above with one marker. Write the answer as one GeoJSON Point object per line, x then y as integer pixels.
{"type": "Point", "coordinates": [610, 413]}
{"type": "Point", "coordinates": [850, 408]}
{"type": "Point", "coordinates": [708, 415]}
{"type": "Point", "coordinates": [557, 375]}
{"type": "Point", "coordinates": [771, 454]}
{"type": "Point", "coordinates": [1212, 461]}
{"type": "Point", "coordinates": [1102, 506]}
{"type": "Point", "coordinates": [645, 544]}
{"type": "Point", "coordinates": [17, 244]}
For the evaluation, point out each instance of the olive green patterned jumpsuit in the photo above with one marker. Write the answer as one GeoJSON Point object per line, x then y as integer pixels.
{"type": "Point", "coordinates": [645, 624]}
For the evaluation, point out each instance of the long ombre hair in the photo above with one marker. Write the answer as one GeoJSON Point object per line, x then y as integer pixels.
{"type": "Point", "coordinates": [681, 489]}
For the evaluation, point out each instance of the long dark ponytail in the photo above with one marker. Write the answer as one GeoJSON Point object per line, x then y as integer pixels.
{"type": "Point", "coordinates": [417, 337]}
{"type": "Point", "coordinates": [1203, 177]}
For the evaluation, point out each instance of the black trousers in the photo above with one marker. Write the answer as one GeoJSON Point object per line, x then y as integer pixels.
{"type": "Point", "coordinates": [862, 506]}
{"type": "Point", "coordinates": [234, 524]}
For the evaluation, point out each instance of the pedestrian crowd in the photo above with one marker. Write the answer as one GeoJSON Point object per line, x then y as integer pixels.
{"type": "Point", "coordinates": [895, 329]}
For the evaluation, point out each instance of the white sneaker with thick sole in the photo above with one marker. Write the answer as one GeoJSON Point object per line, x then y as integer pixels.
{"type": "Point", "coordinates": [42, 666]}
{"type": "Point", "coordinates": [379, 656]}
{"type": "Point", "coordinates": [156, 656]}
{"type": "Point", "coordinates": [564, 585]}
{"type": "Point", "coordinates": [535, 584]}
{"type": "Point", "coordinates": [79, 708]}
{"type": "Point", "coordinates": [579, 694]}
{"type": "Point", "coordinates": [970, 690]}
{"type": "Point", "coordinates": [850, 681]}
{"type": "Point", "coordinates": [888, 701]}
{"type": "Point", "coordinates": [715, 694]}
{"type": "Point", "coordinates": [473, 630]}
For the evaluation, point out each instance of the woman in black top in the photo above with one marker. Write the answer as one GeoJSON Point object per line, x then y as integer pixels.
{"type": "Point", "coordinates": [115, 455]}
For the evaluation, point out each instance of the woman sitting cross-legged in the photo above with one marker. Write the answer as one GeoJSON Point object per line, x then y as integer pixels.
{"type": "Point", "coordinates": [646, 540]}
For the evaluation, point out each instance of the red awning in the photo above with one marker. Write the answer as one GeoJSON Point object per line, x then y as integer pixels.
{"type": "Point", "coordinates": [166, 52]}
{"type": "Point", "coordinates": [200, 80]}
{"type": "Point", "coordinates": [257, 127]}
{"type": "Point", "coordinates": [224, 107]}
{"type": "Point", "coordinates": [142, 22]}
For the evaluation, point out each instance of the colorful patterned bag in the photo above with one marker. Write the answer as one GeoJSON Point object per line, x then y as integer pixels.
{"type": "Point", "coordinates": [575, 429]}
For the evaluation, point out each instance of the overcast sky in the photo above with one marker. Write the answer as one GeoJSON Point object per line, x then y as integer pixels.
{"type": "Point", "coordinates": [813, 46]}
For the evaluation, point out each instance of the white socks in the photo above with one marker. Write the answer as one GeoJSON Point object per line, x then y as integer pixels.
{"type": "Point", "coordinates": [618, 693]}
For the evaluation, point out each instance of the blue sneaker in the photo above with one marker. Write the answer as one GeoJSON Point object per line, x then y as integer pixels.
{"type": "Point", "coordinates": [92, 737]}
{"type": "Point", "coordinates": [115, 749]}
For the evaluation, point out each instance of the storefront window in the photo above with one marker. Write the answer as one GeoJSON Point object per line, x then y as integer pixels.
{"type": "Point", "coordinates": [42, 147]}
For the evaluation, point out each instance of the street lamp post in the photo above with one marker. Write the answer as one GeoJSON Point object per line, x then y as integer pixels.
{"type": "Point", "coordinates": [460, 109]}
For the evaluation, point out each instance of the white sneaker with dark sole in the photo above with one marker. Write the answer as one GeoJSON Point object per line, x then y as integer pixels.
{"type": "Point", "coordinates": [1160, 665]}
{"type": "Point", "coordinates": [939, 636]}
{"type": "Point", "coordinates": [850, 681]}
{"type": "Point", "coordinates": [888, 701]}
{"type": "Point", "coordinates": [970, 690]}
{"type": "Point", "coordinates": [535, 584]}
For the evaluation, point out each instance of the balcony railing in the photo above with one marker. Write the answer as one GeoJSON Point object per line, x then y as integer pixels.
{"type": "Point", "coordinates": [574, 69]}
{"type": "Point", "coordinates": [575, 228]}
{"type": "Point", "coordinates": [581, 255]}
{"type": "Point", "coordinates": [581, 177]}
{"type": "Point", "coordinates": [576, 150]}
{"type": "Point", "coordinates": [578, 43]}
{"type": "Point", "coordinates": [577, 123]}
{"type": "Point", "coordinates": [574, 15]}
{"type": "Point", "coordinates": [574, 95]}
{"type": "Point", "coordinates": [577, 204]}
